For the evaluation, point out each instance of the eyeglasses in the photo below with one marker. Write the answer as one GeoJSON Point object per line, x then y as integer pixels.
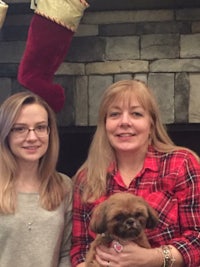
{"type": "Point", "coordinates": [23, 131]}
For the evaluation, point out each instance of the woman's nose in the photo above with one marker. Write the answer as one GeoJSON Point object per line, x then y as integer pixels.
{"type": "Point", "coordinates": [31, 134]}
{"type": "Point", "coordinates": [125, 118]}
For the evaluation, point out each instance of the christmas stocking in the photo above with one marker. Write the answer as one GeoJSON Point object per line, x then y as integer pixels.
{"type": "Point", "coordinates": [50, 33]}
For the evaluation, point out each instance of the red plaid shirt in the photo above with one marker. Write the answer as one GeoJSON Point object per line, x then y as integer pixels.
{"type": "Point", "coordinates": [170, 183]}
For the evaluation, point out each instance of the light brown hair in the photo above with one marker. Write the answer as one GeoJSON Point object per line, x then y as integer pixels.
{"type": "Point", "coordinates": [52, 189]}
{"type": "Point", "coordinates": [101, 154]}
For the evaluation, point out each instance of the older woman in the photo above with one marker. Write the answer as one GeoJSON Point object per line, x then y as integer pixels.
{"type": "Point", "coordinates": [132, 152]}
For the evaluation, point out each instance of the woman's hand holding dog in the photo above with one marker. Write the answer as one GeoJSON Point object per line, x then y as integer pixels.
{"type": "Point", "coordinates": [131, 256]}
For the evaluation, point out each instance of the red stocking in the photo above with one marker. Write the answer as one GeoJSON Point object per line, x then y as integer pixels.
{"type": "Point", "coordinates": [46, 48]}
{"type": "Point", "coordinates": [49, 37]}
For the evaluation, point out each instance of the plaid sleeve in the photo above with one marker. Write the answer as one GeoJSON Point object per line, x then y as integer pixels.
{"type": "Point", "coordinates": [173, 189]}
{"type": "Point", "coordinates": [188, 195]}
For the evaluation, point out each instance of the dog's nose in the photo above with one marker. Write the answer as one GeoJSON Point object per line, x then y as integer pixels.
{"type": "Point", "coordinates": [130, 222]}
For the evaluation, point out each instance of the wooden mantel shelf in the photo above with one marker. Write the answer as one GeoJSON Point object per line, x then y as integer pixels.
{"type": "Point", "coordinates": [101, 5]}
{"type": "Point", "coordinates": [105, 5]}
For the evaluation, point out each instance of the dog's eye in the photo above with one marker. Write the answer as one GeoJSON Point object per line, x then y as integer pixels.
{"type": "Point", "coordinates": [119, 217]}
{"type": "Point", "coordinates": [138, 214]}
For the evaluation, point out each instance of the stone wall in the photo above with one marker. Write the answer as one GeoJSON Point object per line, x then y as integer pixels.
{"type": "Point", "coordinates": [160, 47]}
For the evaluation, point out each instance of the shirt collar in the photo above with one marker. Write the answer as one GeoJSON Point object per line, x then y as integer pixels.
{"type": "Point", "coordinates": [149, 163]}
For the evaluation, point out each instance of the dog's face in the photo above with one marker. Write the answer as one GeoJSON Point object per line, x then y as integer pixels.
{"type": "Point", "coordinates": [123, 215]}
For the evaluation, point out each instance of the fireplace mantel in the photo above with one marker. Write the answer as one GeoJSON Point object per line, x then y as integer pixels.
{"type": "Point", "coordinates": [102, 5]}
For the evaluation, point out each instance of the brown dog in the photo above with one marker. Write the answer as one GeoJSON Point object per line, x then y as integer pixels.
{"type": "Point", "coordinates": [122, 217]}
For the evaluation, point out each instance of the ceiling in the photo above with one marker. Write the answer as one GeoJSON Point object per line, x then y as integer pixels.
{"type": "Point", "coordinates": [102, 5]}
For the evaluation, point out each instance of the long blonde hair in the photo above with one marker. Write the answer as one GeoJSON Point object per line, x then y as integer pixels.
{"type": "Point", "coordinates": [101, 154]}
{"type": "Point", "coordinates": [52, 189]}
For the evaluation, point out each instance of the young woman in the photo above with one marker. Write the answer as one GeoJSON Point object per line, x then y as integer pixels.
{"type": "Point", "coordinates": [35, 200]}
{"type": "Point", "coordinates": [132, 152]}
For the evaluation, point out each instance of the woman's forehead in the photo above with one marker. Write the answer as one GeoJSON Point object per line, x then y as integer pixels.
{"type": "Point", "coordinates": [125, 100]}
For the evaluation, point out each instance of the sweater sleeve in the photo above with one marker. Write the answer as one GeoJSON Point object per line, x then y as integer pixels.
{"type": "Point", "coordinates": [66, 242]}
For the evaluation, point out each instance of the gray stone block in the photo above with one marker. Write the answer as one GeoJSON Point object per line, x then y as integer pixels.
{"type": "Point", "coordinates": [159, 46]}
{"type": "Point", "coordinates": [190, 47]}
{"type": "Point", "coordinates": [22, 19]}
{"type": "Point", "coordinates": [196, 27]}
{"type": "Point", "coordinates": [86, 49]}
{"type": "Point", "coordinates": [188, 14]}
{"type": "Point", "coordinates": [130, 29]}
{"type": "Point", "coordinates": [97, 85]}
{"type": "Point", "coordinates": [118, 48]}
{"type": "Point", "coordinates": [117, 67]}
{"type": "Point", "coordinates": [71, 69]}
{"type": "Point", "coordinates": [14, 33]}
{"type": "Point", "coordinates": [165, 27]}
{"type": "Point", "coordinates": [118, 29]}
{"type": "Point", "coordinates": [81, 101]}
{"type": "Point", "coordinates": [11, 52]}
{"type": "Point", "coordinates": [87, 30]}
{"type": "Point", "coordinates": [163, 88]}
{"type": "Point", "coordinates": [141, 77]}
{"type": "Point", "coordinates": [8, 70]}
{"type": "Point", "coordinates": [194, 98]}
{"type": "Point", "coordinates": [175, 65]}
{"type": "Point", "coordinates": [5, 88]}
{"type": "Point", "coordinates": [119, 77]}
{"type": "Point", "coordinates": [66, 116]}
{"type": "Point", "coordinates": [127, 16]}
{"type": "Point", "coordinates": [181, 97]}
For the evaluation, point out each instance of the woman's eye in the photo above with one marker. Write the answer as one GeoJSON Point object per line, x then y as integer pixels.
{"type": "Point", "coordinates": [19, 129]}
{"type": "Point", "coordinates": [137, 114]}
{"type": "Point", "coordinates": [41, 128]}
{"type": "Point", "coordinates": [113, 114]}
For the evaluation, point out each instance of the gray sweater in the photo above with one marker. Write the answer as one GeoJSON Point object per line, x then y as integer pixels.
{"type": "Point", "coordinates": [34, 237]}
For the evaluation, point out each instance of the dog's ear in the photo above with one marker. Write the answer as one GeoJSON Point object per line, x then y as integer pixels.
{"type": "Point", "coordinates": [98, 220]}
{"type": "Point", "coordinates": [152, 220]}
